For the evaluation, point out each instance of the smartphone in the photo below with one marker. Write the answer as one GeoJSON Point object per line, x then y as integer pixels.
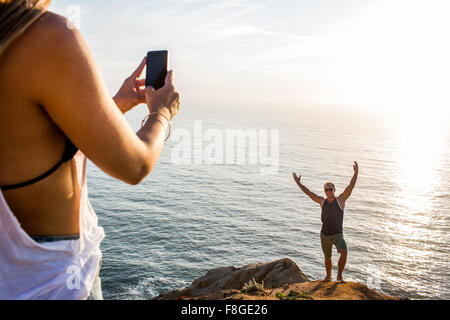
{"type": "Point", "coordinates": [156, 68]}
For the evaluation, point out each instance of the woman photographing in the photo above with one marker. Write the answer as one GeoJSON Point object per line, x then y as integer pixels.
{"type": "Point", "coordinates": [55, 112]}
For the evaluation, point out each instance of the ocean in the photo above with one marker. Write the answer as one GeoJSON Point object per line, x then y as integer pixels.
{"type": "Point", "coordinates": [190, 216]}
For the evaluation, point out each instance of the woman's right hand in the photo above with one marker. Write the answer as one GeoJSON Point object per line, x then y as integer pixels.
{"type": "Point", "coordinates": [165, 97]}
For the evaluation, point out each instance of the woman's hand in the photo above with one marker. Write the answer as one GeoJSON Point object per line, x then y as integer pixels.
{"type": "Point", "coordinates": [165, 99]}
{"type": "Point", "coordinates": [131, 93]}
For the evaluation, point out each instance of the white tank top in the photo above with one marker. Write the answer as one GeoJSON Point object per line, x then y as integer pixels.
{"type": "Point", "coordinates": [51, 270]}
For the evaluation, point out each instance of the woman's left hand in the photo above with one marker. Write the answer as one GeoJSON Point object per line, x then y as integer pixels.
{"type": "Point", "coordinates": [131, 93]}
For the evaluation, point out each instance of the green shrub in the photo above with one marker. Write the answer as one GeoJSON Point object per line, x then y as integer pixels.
{"type": "Point", "coordinates": [253, 286]}
{"type": "Point", "coordinates": [293, 295]}
{"type": "Point", "coordinates": [280, 296]}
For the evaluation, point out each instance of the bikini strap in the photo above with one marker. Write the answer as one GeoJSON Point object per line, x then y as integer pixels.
{"type": "Point", "coordinates": [69, 152]}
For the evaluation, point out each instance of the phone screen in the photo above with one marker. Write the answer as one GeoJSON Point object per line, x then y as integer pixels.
{"type": "Point", "coordinates": [156, 68]}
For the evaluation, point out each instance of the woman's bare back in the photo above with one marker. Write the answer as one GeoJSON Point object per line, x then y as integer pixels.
{"type": "Point", "coordinates": [50, 89]}
{"type": "Point", "coordinates": [31, 143]}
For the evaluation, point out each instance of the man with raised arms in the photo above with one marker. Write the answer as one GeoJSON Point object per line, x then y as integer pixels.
{"type": "Point", "coordinates": [332, 218]}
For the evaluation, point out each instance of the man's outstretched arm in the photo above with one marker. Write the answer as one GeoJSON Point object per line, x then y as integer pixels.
{"type": "Point", "coordinates": [310, 194]}
{"type": "Point", "coordinates": [348, 191]}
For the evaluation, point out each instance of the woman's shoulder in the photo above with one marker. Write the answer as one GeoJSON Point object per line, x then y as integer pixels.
{"type": "Point", "coordinates": [51, 22]}
{"type": "Point", "coordinates": [52, 29]}
{"type": "Point", "coordinates": [50, 38]}
{"type": "Point", "coordinates": [45, 34]}
{"type": "Point", "coordinates": [48, 50]}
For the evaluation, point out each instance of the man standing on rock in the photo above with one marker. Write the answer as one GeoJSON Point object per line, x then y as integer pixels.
{"type": "Point", "coordinates": [332, 218]}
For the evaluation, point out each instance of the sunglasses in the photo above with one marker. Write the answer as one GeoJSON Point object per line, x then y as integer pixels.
{"type": "Point", "coordinates": [328, 189]}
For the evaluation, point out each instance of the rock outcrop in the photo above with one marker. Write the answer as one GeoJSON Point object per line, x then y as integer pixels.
{"type": "Point", "coordinates": [282, 280]}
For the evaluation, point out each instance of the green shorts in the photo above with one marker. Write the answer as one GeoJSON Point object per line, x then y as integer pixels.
{"type": "Point", "coordinates": [328, 241]}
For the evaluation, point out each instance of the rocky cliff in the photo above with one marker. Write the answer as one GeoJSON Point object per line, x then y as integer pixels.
{"type": "Point", "coordinates": [277, 280]}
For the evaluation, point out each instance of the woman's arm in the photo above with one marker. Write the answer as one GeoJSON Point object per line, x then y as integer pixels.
{"type": "Point", "coordinates": [68, 85]}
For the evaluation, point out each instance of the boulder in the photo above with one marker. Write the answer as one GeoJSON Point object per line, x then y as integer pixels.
{"type": "Point", "coordinates": [274, 274]}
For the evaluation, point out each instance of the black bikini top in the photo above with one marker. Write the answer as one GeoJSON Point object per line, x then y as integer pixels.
{"type": "Point", "coordinates": [69, 152]}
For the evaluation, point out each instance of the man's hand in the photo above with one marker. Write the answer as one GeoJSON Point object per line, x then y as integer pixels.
{"type": "Point", "coordinates": [297, 179]}
{"type": "Point", "coordinates": [355, 167]}
{"type": "Point", "coordinates": [348, 191]}
{"type": "Point", "coordinates": [131, 93]}
{"type": "Point", "coordinates": [310, 194]}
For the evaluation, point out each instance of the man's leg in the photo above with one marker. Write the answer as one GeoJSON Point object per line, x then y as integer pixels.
{"type": "Point", "coordinates": [326, 248]}
{"type": "Point", "coordinates": [328, 264]}
{"type": "Point", "coordinates": [341, 246]}
{"type": "Point", "coordinates": [341, 264]}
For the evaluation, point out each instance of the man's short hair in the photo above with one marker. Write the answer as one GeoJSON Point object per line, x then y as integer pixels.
{"type": "Point", "coordinates": [334, 188]}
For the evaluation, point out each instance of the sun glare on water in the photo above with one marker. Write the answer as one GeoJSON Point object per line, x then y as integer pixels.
{"type": "Point", "coordinates": [416, 220]}
{"type": "Point", "coordinates": [421, 143]}
{"type": "Point", "coordinates": [397, 63]}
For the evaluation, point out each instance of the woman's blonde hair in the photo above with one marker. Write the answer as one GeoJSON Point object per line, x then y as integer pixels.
{"type": "Point", "coordinates": [16, 16]}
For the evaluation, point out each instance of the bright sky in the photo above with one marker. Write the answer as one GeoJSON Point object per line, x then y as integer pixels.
{"type": "Point", "coordinates": [387, 55]}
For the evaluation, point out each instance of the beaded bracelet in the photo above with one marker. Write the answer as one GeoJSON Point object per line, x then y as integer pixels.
{"type": "Point", "coordinates": [143, 121]}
